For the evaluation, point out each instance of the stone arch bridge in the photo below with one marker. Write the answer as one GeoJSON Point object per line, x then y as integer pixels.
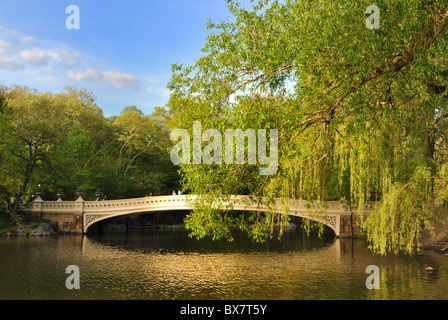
{"type": "Point", "coordinates": [77, 216]}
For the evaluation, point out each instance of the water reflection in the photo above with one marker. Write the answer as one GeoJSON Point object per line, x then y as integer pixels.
{"type": "Point", "coordinates": [167, 264]}
{"type": "Point", "coordinates": [173, 266]}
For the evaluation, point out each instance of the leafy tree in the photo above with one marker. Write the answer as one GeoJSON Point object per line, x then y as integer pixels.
{"type": "Point", "coordinates": [143, 158]}
{"type": "Point", "coordinates": [361, 112]}
{"type": "Point", "coordinates": [75, 162]}
{"type": "Point", "coordinates": [64, 142]}
{"type": "Point", "coordinates": [32, 128]}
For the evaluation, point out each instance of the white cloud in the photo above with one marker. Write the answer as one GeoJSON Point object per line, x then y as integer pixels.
{"type": "Point", "coordinates": [114, 78]}
{"type": "Point", "coordinates": [14, 34]}
{"type": "Point", "coordinates": [9, 63]}
{"type": "Point", "coordinates": [5, 46]}
{"type": "Point", "coordinates": [21, 51]}
{"type": "Point", "coordinates": [35, 57]}
{"type": "Point", "coordinates": [27, 40]}
{"type": "Point", "coordinates": [69, 57]}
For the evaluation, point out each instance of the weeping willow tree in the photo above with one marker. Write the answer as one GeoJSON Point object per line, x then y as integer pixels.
{"type": "Point", "coordinates": [360, 112]}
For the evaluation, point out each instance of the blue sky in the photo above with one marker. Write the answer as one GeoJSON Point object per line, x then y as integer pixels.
{"type": "Point", "coordinates": [122, 52]}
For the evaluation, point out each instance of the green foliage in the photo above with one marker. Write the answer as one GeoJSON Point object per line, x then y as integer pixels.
{"type": "Point", "coordinates": [64, 142]}
{"type": "Point", "coordinates": [403, 212]}
{"type": "Point", "coordinates": [3, 103]}
{"type": "Point", "coordinates": [360, 112]}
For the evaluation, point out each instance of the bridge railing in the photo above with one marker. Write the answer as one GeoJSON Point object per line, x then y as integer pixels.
{"type": "Point", "coordinates": [134, 202]}
{"type": "Point", "coordinates": [237, 202]}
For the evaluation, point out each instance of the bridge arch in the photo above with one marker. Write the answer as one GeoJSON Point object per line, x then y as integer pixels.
{"type": "Point", "coordinates": [96, 211]}
{"type": "Point", "coordinates": [99, 211]}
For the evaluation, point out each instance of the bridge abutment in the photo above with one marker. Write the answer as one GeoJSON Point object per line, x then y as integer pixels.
{"type": "Point", "coordinates": [349, 225]}
{"type": "Point", "coordinates": [64, 216]}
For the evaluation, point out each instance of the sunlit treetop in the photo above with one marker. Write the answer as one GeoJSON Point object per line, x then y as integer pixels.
{"type": "Point", "coordinates": [361, 112]}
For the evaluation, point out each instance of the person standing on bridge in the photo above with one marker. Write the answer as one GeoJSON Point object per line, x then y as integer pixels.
{"type": "Point", "coordinates": [179, 192]}
{"type": "Point", "coordinates": [174, 192]}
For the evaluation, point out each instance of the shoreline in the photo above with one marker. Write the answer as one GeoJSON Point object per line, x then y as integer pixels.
{"type": "Point", "coordinates": [437, 243]}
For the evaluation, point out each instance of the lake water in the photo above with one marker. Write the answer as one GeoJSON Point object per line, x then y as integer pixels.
{"type": "Point", "coordinates": [165, 264]}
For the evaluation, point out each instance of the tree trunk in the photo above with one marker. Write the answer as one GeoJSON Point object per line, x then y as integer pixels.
{"type": "Point", "coordinates": [27, 176]}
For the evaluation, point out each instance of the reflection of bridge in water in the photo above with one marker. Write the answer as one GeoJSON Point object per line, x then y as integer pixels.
{"type": "Point", "coordinates": [77, 216]}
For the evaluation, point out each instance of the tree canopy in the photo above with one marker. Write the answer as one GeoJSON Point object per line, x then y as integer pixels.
{"type": "Point", "coordinates": [361, 113]}
{"type": "Point", "coordinates": [65, 143]}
